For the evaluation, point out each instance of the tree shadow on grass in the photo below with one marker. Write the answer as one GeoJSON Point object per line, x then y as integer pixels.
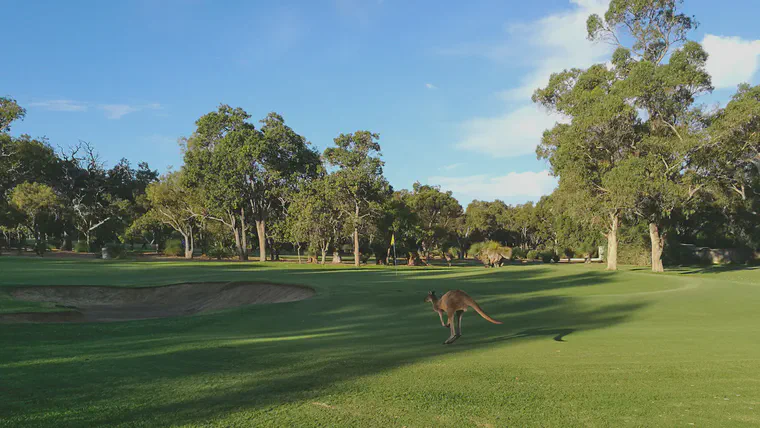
{"type": "Point", "coordinates": [690, 270]}
{"type": "Point", "coordinates": [196, 369]}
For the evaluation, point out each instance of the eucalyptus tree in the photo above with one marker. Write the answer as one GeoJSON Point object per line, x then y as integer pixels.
{"type": "Point", "coordinates": [313, 215]}
{"type": "Point", "coordinates": [358, 180]}
{"type": "Point", "coordinates": [660, 73]}
{"type": "Point", "coordinates": [437, 213]}
{"type": "Point", "coordinates": [35, 200]}
{"type": "Point", "coordinates": [584, 153]}
{"type": "Point", "coordinates": [175, 205]}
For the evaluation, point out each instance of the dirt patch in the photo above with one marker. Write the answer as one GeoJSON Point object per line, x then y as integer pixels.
{"type": "Point", "coordinates": [106, 304]}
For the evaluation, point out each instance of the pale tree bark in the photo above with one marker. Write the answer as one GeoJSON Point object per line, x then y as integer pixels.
{"type": "Point", "coordinates": [612, 241]}
{"type": "Point", "coordinates": [189, 244]}
{"type": "Point", "coordinates": [261, 230]}
{"type": "Point", "coordinates": [243, 249]}
{"type": "Point", "coordinates": [356, 247]}
{"type": "Point", "coordinates": [356, 237]}
{"type": "Point", "coordinates": [658, 243]}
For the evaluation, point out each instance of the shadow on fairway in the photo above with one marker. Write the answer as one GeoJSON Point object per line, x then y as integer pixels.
{"type": "Point", "coordinates": [191, 370]}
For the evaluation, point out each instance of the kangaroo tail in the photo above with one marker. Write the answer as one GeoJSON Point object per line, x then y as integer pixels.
{"type": "Point", "coordinates": [477, 308]}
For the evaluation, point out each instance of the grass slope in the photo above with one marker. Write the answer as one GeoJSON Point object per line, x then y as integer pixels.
{"type": "Point", "coordinates": [579, 347]}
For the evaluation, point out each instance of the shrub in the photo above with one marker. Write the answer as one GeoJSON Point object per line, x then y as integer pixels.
{"type": "Point", "coordinates": [174, 247]}
{"type": "Point", "coordinates": [81, 247]}
{"type": "Point", "coordinates": [518, 253]}
{"type": "Point", "coordinates": [114, 250]}
{"type": "Point", "coordinates": [555, 257]}
{"type": "Point", "coordinates": [475, 249]}
{"type": "Point", "coordinates": [547, 256]}
{"type": "Point", "coordinates": [40, 247]}
{"type": "Point", "coordinates": [218, 252]}
{"type": "Point", "coordinates": [532, 255]}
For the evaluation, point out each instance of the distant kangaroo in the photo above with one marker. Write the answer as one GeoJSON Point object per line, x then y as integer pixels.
{"type": "Point", "coordinates": [455, 302]}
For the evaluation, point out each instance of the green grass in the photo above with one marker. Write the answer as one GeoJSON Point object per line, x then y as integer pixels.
{"type": "Point", "coordinates": [579, 347]}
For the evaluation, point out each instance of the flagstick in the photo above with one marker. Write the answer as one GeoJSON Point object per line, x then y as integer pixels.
{"type": "Point", "coordinates": [393, 241]}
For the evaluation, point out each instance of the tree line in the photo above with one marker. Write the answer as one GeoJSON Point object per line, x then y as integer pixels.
{"type": "Point", "coordinates": [239, 182]}
{"type": "Point", "coordinates": [642, 168]}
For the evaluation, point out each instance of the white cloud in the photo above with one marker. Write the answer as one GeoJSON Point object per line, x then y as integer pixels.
{"type": "Point", "coordinates": [451, 166]}
{"type": "Point", "coordinates": [732, 60]}
{"type": "Point", "coordinates": [112, 111]}
{"type": "Point", "coordinates": [516, 133]}
{"type": "Point", "coordinates": [430, 86]}
{"type": "Point", "coordinates": [60, 105]}
{"type": "Point", "coordinates": [547, 45]}
{"type": "Point", "coordinates": [520, 186]}
{"type": "Point", "coordinates": [554, 43]}
{"type": "Point", "coordinates": [117, 111]}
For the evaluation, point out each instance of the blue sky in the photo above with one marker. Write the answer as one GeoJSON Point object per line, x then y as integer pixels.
{"type": "Point", "coordinates": [446, 84]}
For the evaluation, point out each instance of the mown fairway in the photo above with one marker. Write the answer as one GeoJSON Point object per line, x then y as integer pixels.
{"type": "Point", "coordinates": [579, 347]}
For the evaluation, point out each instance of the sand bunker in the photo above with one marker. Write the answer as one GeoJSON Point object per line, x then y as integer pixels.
{"type": "Point", "coordinates": [105, 304]}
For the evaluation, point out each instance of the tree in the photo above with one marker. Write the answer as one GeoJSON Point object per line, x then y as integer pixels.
{"type": "Point", "coordinates": [281, 161]}
{"type": "Point", "coordinates": [216, 166]}
{"type": "Point", "coordinates": [10, 111]}
{"type": "Point", "coordinates": [359, 180]}
{"type": "Point", "coordinates": [90, 200]}
{"type": "Point", "coordinates": [666, 138]}
{"type": "Point", "coordinates": [396, 219]}
{"type": "Point", "coordinates": [584, 153]}
{"type": "Point", "coordinates": [313, 215]}
{"type": "Point", "coordinates": [732, 157]}
{"type": "Point", "coordinates": [242, 172]}
{"type": "Point", "coordinates": [34, 200]}
{"type": "Point", "coordinates": [173, 204]}
{"type": "Point", "coordinates": [437, 213]}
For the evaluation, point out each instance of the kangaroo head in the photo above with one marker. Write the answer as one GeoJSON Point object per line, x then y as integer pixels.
{"type": "Point", "coordinates": [430, 297]}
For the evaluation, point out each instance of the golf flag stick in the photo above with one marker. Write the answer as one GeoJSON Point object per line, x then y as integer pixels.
{"type": "Point", "coordinates": [393, 243]}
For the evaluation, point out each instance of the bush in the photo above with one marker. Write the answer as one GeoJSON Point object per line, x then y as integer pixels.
{"type": "Point", "coordinates": [475, 249]}
{"type": "Point", "coordinates": [555, 257]}
{"type": "Point", "coordinates": [174, 247]}
{"type": "Point", "coordinates": [218, 252]}
{"type": "Point", "coordinates": [532, 255]}
{"type": "Point", "coordinates": [546, 256]}
{"type": "Point", "coordinates": [81, 247]}
{"type": "Point", "coordinates": [518, 253]}
{"type": "Point", "coordinates": [40, 247]}
{"type": "Point", "coordinates": [114, 250]}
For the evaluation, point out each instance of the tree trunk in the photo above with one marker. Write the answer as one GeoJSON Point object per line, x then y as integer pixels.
{"type": "Point", "coordinates": [261, 230]}
{"type": "Point", "coordinates": [324, 254]}
{"type": "Point", "coordinates": [188, 245]}
{"type": "Point", "coordinates": [238, 245]}
{"type": "Point", "coordinates": [658, 243]}
{"type": "Point", "coordinates": [243, 251]}
{"type": "Point", "coordinates": [66, 245]}
{"type": "Point", "coordinates": [298, 249]}
{"type": "Point", "coordinates": [612, 242]}
{"type": "Point", "coordinates": [356, 247]}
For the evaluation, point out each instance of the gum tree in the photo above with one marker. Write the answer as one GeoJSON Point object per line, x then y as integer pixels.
{"type": "Point", "coordinates": [358, 180]}
{"type": "Point", "coordinates": [660, 74]}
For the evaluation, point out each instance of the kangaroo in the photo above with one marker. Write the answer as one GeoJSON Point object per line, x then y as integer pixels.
{"type": "Point", "coordinates": [455, 302]}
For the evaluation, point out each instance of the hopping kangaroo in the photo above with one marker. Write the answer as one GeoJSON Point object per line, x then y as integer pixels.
{"type": "Point", "coordinates": [455, 302]}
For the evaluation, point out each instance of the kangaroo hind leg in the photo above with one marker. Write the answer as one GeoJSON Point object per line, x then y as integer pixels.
{"type": "Point", "coordinates": [452, 325]}
{"type": "Point", "coordinates": [459, 323]}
